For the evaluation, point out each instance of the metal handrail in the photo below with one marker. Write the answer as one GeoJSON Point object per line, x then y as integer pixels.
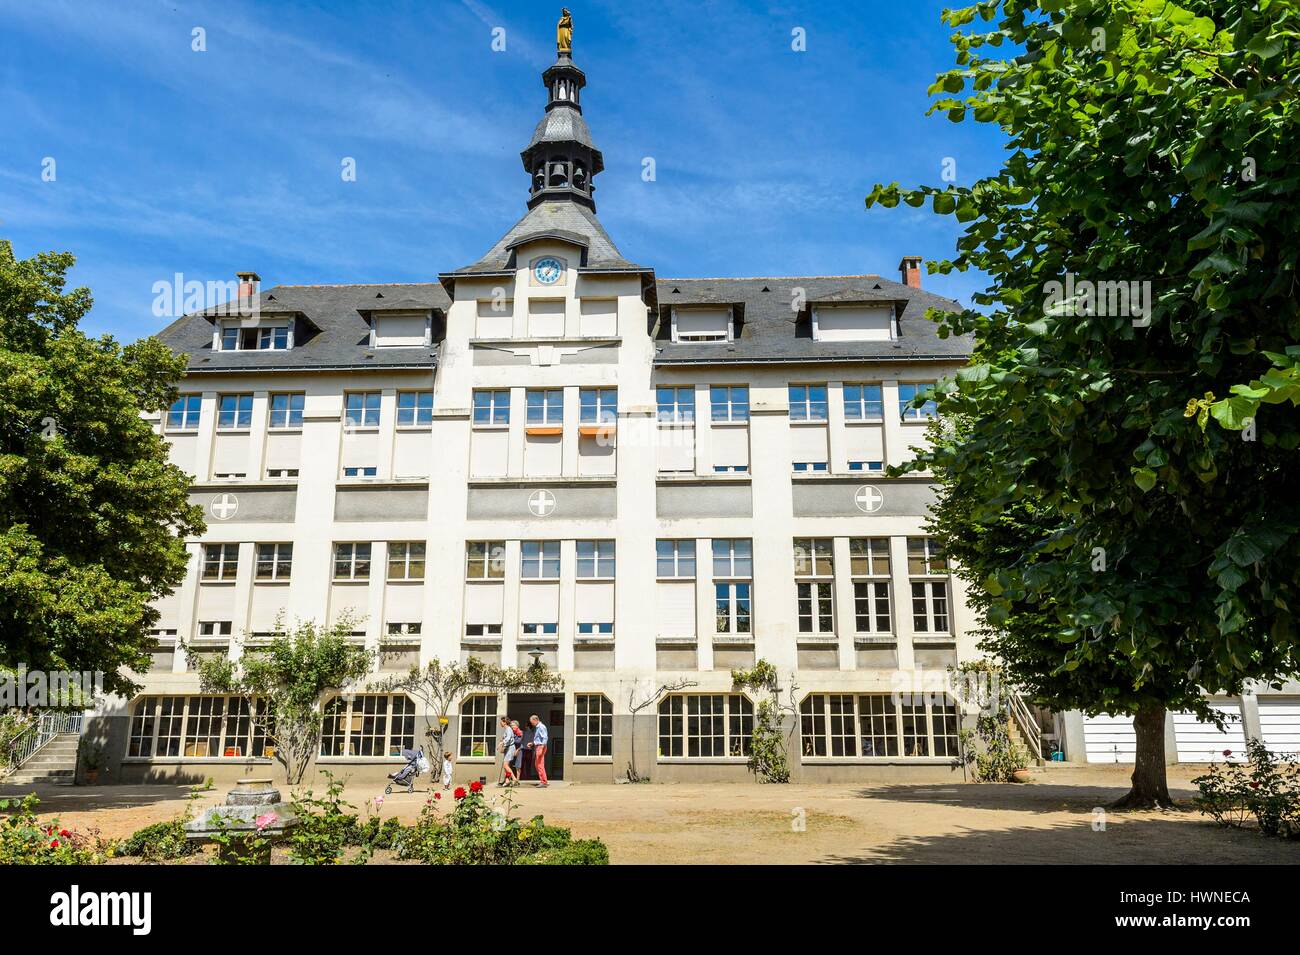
{"type": "Point", "coordinates": [1029, 727]}
{"type": "Point", "coordinates": [45, 728]}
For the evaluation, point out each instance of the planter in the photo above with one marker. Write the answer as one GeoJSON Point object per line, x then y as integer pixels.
{"type": "Point", "coordinates": [1020, 776]}
{"type": "Point", "coordinates": [91, 776]}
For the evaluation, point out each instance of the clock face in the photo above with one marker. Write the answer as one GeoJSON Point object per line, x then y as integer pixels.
{"type": "Point", "coordinates": [548, 270]}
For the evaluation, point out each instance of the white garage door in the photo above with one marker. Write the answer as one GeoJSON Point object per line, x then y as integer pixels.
{"type": "Point", "coordinates": [1279, 724]}
{"type": "Point", "coordinates": [1204, 742]}
{"type": "Point", "coordinates": [1109, 739]}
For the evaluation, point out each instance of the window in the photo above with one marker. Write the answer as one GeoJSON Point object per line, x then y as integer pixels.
{"type": "Point", "coordinates": [675, 559]}
{"type": "Point", "coordinates": [361, 409]}
{"type": "Point", "coordinates": [729, 402]}
{"type": "Point", "coordinates": [597, 405]}
{"type": "Point", "coordinates": [282, 472]}
{"type": "Point", "coordinates": [929, 606]}
{"type": "Point", "coordinates": [593, 730]}
{"type": "Point", "coordinates": [605, 629]}
{"type": "Point", "coordinates": [492, 407]}
{"type": "Point", "coordinates": [676, 403]}
{"type": "Point", "coordinates": [485, 560]}
{"type": "Point", "coordinates": [539, 629]}
{"type": "Point", "coordinates": [274, 339]}
{"type": "Point", "coordinates": [482, 629]}
{"type": "Point", "coordinates": [907, 393]}
{"type": "Point", "coordinates": [406, 561]}
{"type": "Point", "coordinates": [545, 406]}
{"type": "Point", "coordinates": [869, 558]}
{"type": "Point", "coordinates": [183, 415]}
{"type": "Point", "coordinates": [814, 557]}
{"type": "Point", "coordinates": [234, 412]}
{"type": "Point", "coordinates": [875, 725]}
{"type": "Point", "coordinates": [595, 559]}
{"type": "Point", "coordinates": [733, 557]}
{"type": "Point", "coordinates": [360, 472]}
{"type": "Point", "coordinates": [214, 628]}
{"type": "Point", "coordinates": [198, 727]}
{"type": "Point", "coordinates": [274, 561]}
{"type": "Point", "coordinates": [229, 339]}
{"type": "Point", "coordinates": [702, 324]}
{"type": "Point", "coordinates": [404, 629]}
{"type": "Point", "coordinates": [478, 717]}
{"type": "Point", "coordinates": [925, 556]}
{"type": "Point", "coordinates": [220, 561]}
{"type": "Point", "coordinates": [373, 724]}
{"type": "Point", "coordinates": [705, 725]}
{"type": "Point", "coordinates": [351, 561]}
{"type": "Point", "coordinates": [286, 411]}
{"type": "Point", "coordinates": [731, 469]}
{"type": "Point", "coordinates": [807, 402]}
{"type": "Point", "coordinates": [540, 560]}
{"type": "Point", "coordinates": [863, 403]}
{"type": "Point", "coordinates": [866, 465]}
{"type": "Point", "coordinates": [810, 465]}
{"type": "Point", "coordinates": [414, 408]}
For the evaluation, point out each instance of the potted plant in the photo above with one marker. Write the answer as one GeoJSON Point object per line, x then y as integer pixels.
{"type": "Point", "coordinates": [90, 755]}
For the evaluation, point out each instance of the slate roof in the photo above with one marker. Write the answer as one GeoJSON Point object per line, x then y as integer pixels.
{"type": "Point", "coordinates": [562, 124]}
{"type": "Point", "coordinates": [332, 330]}
{"type": "Point", "coordinates": [770, 331]}
{"type": "Point", "coordinates": [568, 220]}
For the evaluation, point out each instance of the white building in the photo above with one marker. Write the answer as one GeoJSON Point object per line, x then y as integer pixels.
{"type": "Point", "coordinates": [646, 480]}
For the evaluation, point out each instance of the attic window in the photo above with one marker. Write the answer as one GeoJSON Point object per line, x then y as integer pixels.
{"type": "Point", "coordinates": [400, 330]}
{"type": "Point", "coordinates": [867, 322]}
{"type": "Point", "coordinates": [708, 324]}
{"type": "Point", "coordinates": [766, 289]}
{"type": "Point", "coordinates": [256, 338]}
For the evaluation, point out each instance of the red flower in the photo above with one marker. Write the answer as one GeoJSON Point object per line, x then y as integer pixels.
{"type": "Point", "coordinates": [475, 786]}
{"type": "Point", "coordinates": [460, 792]}
{"type": "Point", "coordinates": [64, 833]}
{"type": "Point", "coordinates": [1254, 785]}
{"type": "Point", "coordinates": [1227, 752]}
{"type": "Point", "coordinates": [437, 795]}
{"type": "Point", "coordinates": [54, 843]}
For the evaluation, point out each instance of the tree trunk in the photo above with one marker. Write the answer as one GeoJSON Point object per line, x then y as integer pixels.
{"type": "Point", "coordinates": [1150, 788]}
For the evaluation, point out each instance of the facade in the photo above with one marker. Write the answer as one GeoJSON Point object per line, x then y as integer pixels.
{"type": "Point", "coordinates": [555, 454]}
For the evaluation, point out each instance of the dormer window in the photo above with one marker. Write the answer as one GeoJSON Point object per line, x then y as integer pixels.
{"type": "Point", "coordinates": [401, 329]}
{"type": "Point", "coordinates": [867, 322]}
{"type": "Point", "coordinates": [255, 338]}
{"type": "Point", "coordinates": [712, 324]}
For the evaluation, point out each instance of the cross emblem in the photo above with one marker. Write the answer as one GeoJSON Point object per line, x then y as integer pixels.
{"type": "Point", "coordinates": [224, 506]}
{"type": "Point", "coordinates": [868, 499]}
{"type": "Point", "coordinates": [541, 503]}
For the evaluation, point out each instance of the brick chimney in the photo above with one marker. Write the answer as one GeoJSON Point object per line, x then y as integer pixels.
{"type": "Point", "coordinates": [910, 271]}
{"type": "Point", "coordinates": [249, 285]}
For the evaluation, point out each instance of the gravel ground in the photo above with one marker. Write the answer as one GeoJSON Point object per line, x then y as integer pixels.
{"type": "Point", "coordinates": [1048, 820]}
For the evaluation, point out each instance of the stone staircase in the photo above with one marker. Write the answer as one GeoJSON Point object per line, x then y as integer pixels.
{"type": "Point", "coordinates": [55, 763]}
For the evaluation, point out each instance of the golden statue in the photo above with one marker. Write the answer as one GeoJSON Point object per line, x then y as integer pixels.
{"type": "Point", "coordinates": [564, 32]}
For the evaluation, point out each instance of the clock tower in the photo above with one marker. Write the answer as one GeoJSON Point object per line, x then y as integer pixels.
{"type": "Point", "coordinates": [561, 158]}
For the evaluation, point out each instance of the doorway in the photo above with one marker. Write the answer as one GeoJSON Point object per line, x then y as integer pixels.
{"type": "Point", "coordinates": [549, 708]}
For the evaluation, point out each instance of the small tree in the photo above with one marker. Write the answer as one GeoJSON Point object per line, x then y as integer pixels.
{"type": "Point", "coordinates": [767, 754]}
{"type": "Point", "coordinates": [285, 682]}
{"type": "Point", "coordinates": [441, 686]}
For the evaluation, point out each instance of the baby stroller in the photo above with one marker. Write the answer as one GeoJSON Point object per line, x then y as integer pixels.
{"type": "Point", "coordinates": [407, 775]}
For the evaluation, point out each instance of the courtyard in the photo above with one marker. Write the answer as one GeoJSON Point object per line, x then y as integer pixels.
{"type": "Point", "coordinates": [1048, 820]}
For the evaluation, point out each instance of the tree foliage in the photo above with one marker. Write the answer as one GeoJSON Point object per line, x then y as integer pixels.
{"type": "Point", "coordinates": [1129, 556]}
{"type": "Point", "coordinates": [92, 516]}
{"type": "Point", "coordinates": [285, 683]}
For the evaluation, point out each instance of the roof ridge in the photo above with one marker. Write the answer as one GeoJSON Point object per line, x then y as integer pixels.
{"type": "Point", "coordinates": [359, 285]}
{"type": "Point", "coordinates": [772, 278]}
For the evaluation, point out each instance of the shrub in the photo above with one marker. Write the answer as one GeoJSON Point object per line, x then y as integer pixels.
{"type": "Point", "coordinates": [1000, 756]}
{"type": "Point", "coordinates": [1233, 793]}
{"type": "Point", "coordinates": [476, 833]}
{"type": "Point", "coordinates": [160, 842]}
{"type": "Point", "coordinates": [581, 852]}
{"type": "Point", "coordinates": [24, 840]}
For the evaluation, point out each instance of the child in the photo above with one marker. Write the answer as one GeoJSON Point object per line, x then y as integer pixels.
{"type": "Point", "coordinates": [446, 769]}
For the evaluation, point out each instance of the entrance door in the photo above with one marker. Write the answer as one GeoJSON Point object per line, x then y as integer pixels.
{"type": "Point", "coordinates": [550, 709]}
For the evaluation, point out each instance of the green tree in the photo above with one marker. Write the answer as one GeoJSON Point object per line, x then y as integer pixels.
{"type": "Point", "coordinates": [441, 686]}
{"type": "Point", "coordinates": [92, 516]}
{"type": "Point", "coordinates": [285, 682]}
{"type": "Point", "coordinates": [1129, 557]}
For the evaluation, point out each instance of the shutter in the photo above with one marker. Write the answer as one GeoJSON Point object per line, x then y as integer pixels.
{"type": "Point", "coordinates": [675, 608]}
{"type": "Point", "coordinates": [489, 453]}
{"type": "Point", "coordinates": [730, 446]}
{"type": "Point", "coordinates": [283, 451]}
{"type": "Point", "coordinates": [483, 602]}
{"type": "Point", "coordinates": [1109, 739]}
{"type": "Point", "coordinates": [676, 448]}
{"type": "Point", "coordinates": [865, 442]}
{"type": "Point", "coordinates": [539, 602]}
{"type": "Point", "coordinates": [808, 443]}
{"type": "Point", "coordinates": [599, 318]}
{"type": "Point", "coordinates": [411, 453]}
{"type": "Point", "coordinates": [543, 454]}
{"type": "Point", "coordinates": [546, 318]}
{"type": "Point", "coordinates": [1279, 724]}
{"type": "Point", "coordinates": [595, 603]}
{"type": "Point", "coordinates": [230, 454]}
{"type": "Point", "coordinates": [1204, 742]}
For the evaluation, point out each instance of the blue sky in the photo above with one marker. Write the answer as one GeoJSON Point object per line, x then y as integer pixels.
{"type": "Point", "coordinates": [204, 163]}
